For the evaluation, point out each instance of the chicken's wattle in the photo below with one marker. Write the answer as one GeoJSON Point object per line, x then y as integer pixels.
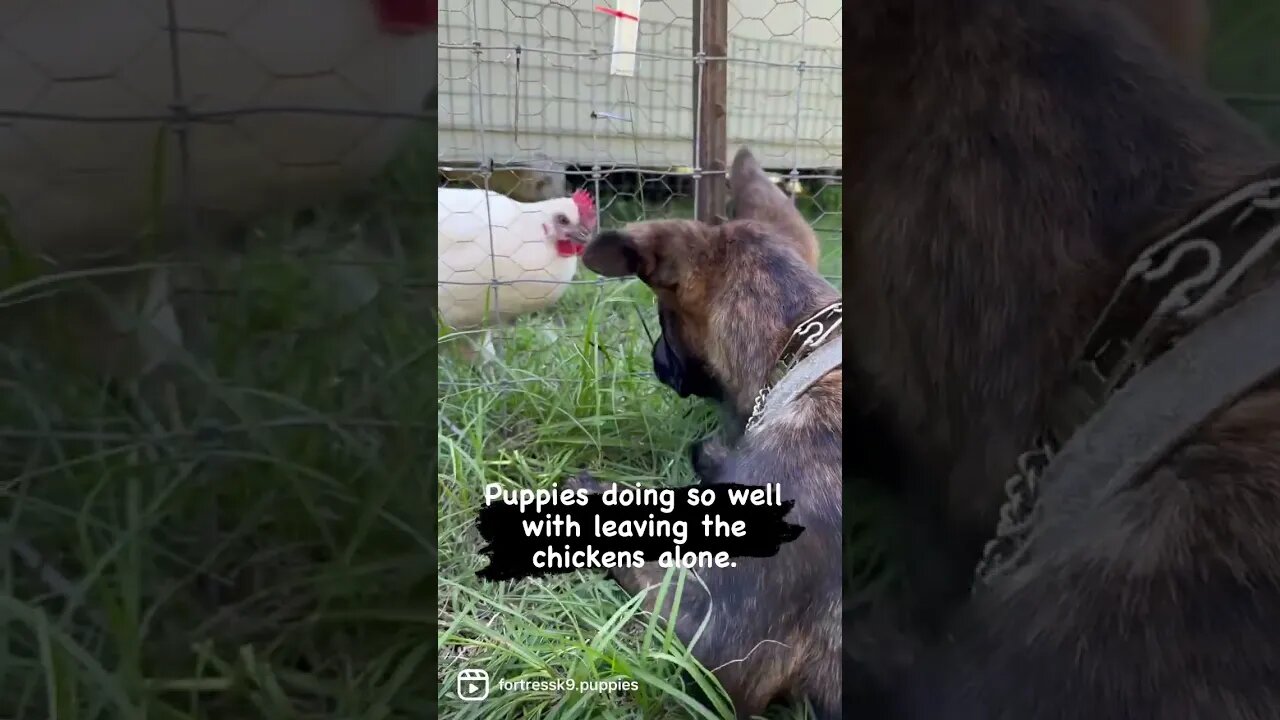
{"type": "Point", "coordinates": [569, 248]}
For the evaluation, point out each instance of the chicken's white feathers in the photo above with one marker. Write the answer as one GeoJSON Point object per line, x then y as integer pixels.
{"type": "Point", "coordinates": [496, 258]}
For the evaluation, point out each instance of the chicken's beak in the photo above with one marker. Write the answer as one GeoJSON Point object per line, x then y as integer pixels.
{"type": "Point", "coordinates": [580, 240]}
{"type": "Point", "coordinates": [573, 243]}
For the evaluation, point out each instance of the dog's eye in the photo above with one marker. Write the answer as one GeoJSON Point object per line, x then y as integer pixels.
{"type": "Point", "coordinates": [562, 219]}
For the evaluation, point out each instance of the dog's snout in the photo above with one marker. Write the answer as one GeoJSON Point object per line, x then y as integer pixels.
{"type": "Point", "coordinates": [667, 367]}
{"type": "Point", "coordinates": [686, 375]}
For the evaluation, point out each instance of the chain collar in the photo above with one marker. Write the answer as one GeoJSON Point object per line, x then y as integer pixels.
{"type": "Point", "coordinates": [1112, 356]}
{"type": "Point", "coordinates": [808, 336]}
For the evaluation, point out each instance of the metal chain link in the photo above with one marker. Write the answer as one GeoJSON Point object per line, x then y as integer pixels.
{"type": "Point", "coordinates": [1017, 514]}
{"type": "Point", "coordinates": [816, 330]}
{"type": "Point", "coordinates": [1189, 295]}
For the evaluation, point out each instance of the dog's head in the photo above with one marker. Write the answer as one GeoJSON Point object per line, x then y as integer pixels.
{"type": "Point", "coordinates": [687, 264]}
{"type": "Point", "coordinates": [719, 287]}
{"type": "Point", "coordinates": [728, 296]}
{"type": "Point", "coordinates": [667, 256]}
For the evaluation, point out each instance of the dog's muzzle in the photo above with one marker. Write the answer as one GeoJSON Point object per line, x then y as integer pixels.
{"type": "Point", "coordinates": [679, 369]}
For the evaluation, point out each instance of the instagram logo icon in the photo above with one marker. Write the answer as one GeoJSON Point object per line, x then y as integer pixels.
{"type": "Point", "coordinates": [473, 685]}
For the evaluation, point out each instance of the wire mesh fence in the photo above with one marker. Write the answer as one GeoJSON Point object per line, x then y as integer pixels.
{"type": "Point", "coordinates": [538, 101]}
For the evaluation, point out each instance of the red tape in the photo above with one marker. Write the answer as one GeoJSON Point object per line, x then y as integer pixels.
{"type": "Point", "coordinates": [616, 13]}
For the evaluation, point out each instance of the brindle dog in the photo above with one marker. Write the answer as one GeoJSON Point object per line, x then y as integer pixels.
{"type": "Point", "coordinates": [730, 297]}
{"type": "Point", "coordinates": [680, 365]}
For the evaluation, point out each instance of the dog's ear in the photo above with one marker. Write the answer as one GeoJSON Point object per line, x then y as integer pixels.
{"type": "Point", "coordinates": [756, 197]}
{"type": "Point", "coordinates": [613, 253]}
{"type": "Point", "coordinates": [657, 251]}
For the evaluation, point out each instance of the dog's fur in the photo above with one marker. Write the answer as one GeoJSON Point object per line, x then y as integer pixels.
{"type": "Point", "coordinates": [1005, 161]}
{"type": "Point", "coordinates": [730, 295]}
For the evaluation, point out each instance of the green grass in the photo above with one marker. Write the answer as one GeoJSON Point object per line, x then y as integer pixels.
{"type": "Point", "coordinates": [575, 390]}
{"type": "Point", "coordinates": [251, 534]}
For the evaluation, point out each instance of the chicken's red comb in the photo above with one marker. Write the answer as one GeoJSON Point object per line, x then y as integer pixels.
{"type": "Point", "coordinates": [586, 207]}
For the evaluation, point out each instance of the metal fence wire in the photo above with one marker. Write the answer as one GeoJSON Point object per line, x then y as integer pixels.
{"type": "Point", "coordinates": [535, 102]}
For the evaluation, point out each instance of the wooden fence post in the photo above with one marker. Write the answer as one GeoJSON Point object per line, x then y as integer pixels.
{"type": "Point", "coordinates": [710, 96]}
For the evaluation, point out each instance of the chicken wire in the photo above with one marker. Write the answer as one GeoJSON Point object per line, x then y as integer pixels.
{"type": "Point", "coordinates": [525, 87]}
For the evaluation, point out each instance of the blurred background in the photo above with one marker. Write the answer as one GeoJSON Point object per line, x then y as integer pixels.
{"type": "Point", "coordinates": [1242, 58]}
{"type": "Point", "coordinates": [217, 358]}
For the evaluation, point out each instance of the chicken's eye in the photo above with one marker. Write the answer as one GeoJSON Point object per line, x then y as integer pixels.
{"type": "Point", "coordinates": [562, 219]}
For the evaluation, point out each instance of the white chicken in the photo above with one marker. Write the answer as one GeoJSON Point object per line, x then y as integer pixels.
{"type": "Point", "coordinates": [531, 250]}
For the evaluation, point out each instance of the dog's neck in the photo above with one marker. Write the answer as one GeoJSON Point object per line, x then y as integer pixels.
{"type": "Point", "coordinates": [813, 351]}
{"type": "Point", "coordinates": [761, 352]}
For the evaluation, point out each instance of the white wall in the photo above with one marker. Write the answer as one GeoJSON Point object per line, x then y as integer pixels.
{"type": "Point", "coordinates": [787, 121]}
